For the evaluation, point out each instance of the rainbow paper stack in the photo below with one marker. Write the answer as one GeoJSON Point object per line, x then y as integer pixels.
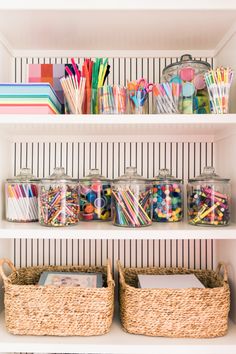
{"type": "Point", "coordinates": [33, 98]}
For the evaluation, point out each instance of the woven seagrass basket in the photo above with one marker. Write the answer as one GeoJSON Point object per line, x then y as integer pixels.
{"type": "Point", "coordinates": [31, 309]}
{"type": "Point", "coordinates": [193, 313]}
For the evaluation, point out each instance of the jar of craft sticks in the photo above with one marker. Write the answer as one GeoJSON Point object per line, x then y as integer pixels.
{"type": "Point", "coordinates": [209, 199]}
{"type": "Point", "coordinates": [95, 197]}
{"type": "Point", "coordinates": [131, 200]}
{"type": "Point", "coordinates": [187, 85]}
{"type": "Point", "coordinates": [58, 200]}
{"type": "Point", "coordinates": [21, 196]}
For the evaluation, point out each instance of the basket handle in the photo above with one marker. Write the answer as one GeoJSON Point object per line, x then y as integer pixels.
{"type": "Point", "coordinates": [218, 269]}
{"type": "Point", "coordinates": [109, 273]}
{"type": "Point", "coordinates": [121, 274]}
{"type": "Point", "coordinates": [10, 265]}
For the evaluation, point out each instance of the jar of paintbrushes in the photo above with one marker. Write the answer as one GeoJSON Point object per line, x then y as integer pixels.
{"type": "Point", "coordinates": [131, 200]}
{"type": "Point", "coordinates": [21, 195]}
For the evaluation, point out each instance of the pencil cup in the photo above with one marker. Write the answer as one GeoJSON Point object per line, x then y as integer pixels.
{"type": "Point", "coordinates": [21, 196]}
{"type": "Point", "coordinates": [120, 99]}
{"type": "Point", "coordinates": [106, 104]}
{"type": "Point", "coordinates": [137, 101]}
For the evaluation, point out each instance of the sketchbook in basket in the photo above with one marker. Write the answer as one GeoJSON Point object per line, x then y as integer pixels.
{"type": "Point", "coordinates": [71, 279]}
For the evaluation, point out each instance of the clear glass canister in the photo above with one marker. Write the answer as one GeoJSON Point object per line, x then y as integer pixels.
{"type": "Point", "coordinates": [21, 196]}
{"type": "Point", "coordinates": [58, 199]}
{"type": "Point", "coordinates": [95, 197]}
{"type": "Point", "coordinates": [186, 78]}
{"type": "Point", "coordinates": [132, 200]}
{"type": "Point", "coordinates": [167, 197]}
{"type": "Point", "coordinates": [209, 199]}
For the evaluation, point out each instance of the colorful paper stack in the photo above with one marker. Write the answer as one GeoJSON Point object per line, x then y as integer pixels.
{"type": "Point", "coordinates": [48, 73]}
{"type": "Point", "coordinates": [218, 83]}
{"type": "Point", "coordinates": [31, 98]}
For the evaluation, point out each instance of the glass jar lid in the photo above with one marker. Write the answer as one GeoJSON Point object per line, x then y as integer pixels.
{"type": "Point", "coordinates": [209, 175]}
{"type": "Point", "coordinates": [131, 176]}
{"type": "Point", "coordinates": [58, 175]}
{"type": "Point", "coordinates": [186, 59]}
{"type": "Point", "coordinates": [165, 176]}
{"type": "Point", "coordinates": [94, 175]}
{"type": "Point", "coordinates": [25, 175]}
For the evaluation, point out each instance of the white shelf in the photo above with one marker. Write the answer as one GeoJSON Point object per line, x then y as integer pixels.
{"type": "Point", "coordinates": [105, 230]}
{"type": "Point", "coordinates": [117, 342]}
{"type": "Point", "coordinates": [119, 125]}
{"type": "Point", "coordinates": [66, 28]}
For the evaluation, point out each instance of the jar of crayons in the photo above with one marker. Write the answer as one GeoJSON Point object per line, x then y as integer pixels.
{"type": "Point", "coordinates": [58, 200]}
{"type": "Point", "coordinates": [167, 196]}
{"type": "Point", "coordinates": [95, 197]}
{"type": "Point", "coordinates": [209, 199]}
{"type": "Point", "coordinates": [21, 196]}
{"type": "Point", "coordinates": [186, 80]}
{"type": "Point", "coordinates": [131, 200]}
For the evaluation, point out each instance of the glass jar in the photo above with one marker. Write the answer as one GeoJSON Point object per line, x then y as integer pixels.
{"type": "Point", "coordinates": [209, 199]}
{"type": "Point", "coordinates": [187, 80]}
{"type": "Point", "coordinates": [132, 200]}
{"type": "Point", "coordinates": [21, 197]}
{"type": "Point", "coordinates": [58, 200]}
{"type": "Point", "coordinates": [167, 197]}
{"type": "Point", "coordinates": [95, 197]}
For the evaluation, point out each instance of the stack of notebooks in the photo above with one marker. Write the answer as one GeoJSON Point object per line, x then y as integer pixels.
{"type": "Point", "coordinates": [33, 98]}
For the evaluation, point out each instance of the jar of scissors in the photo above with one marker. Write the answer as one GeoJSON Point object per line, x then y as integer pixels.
{"type": "Point", "coordinates": [138, 94]}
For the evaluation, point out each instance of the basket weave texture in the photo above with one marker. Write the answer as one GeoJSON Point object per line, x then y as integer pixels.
{"type": "Point", "coordinates": [193, 313]}
{"type": "Point", "coordinates": [31, 309]}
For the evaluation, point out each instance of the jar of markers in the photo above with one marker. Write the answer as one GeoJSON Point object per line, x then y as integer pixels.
{"type": "Point", "coordinates": [186, 77]}
{"type": "Point", "coordinates": [209, 199]}
{"type": "Point", "coordinates": [21, 197]}
{"type": "Point", "coordinates": [132, 200]}
{"type": "Point", "coordinates": [58, 200]}
{"type": "Point", "coordinates": [95, 197]}
{"type": "Point", "coordinates": [167, 196]}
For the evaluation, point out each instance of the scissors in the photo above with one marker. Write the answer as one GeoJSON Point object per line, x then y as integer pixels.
{"type": "Point", "coordinates": [144, 85]}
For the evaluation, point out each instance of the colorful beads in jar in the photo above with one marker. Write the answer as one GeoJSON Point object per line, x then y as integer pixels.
{"type": "Point", "coordinates": [58, 200]}
{"type": "Point", "coordinates": [167, 197]}
{"type": "Point", "coordinates": [188, 76]}
{"type": "Point", "coordinates": [21, 196]}
{"type": "Point", "coordinates": [209, 199]}
{"type": "Point", "coordinates": [131, 200]}
{"type": "Point", "coordinates": [95, 197]}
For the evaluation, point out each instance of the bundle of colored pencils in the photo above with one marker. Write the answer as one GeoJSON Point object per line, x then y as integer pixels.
{"type": "Point", "coordinates": [95, 74]}
{"type": "Point", "coordinates": [74, 87]}
{"type": "Point", "coordinates": [112, 100]}
{"type": "Point", "coordinates": [166, 98]}
{"type": "Point", "coordinates": [218, 83]}
{"type": "Point", "coordinates": [130, 211]}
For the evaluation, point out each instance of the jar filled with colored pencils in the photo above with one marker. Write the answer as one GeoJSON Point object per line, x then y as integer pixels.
{"type": "Point", "coordinates": [167, 197]}
{"type": "Point", "coordinates": [21, 196]}
{"type": "Point", "coordinates": [209, 199]}
{"type": "Point", "coordinates": [95, 197]}
{"type": "Point", "coordinates": [58, 200]}
{"type": "Point", "coordinates": [131, 200]}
